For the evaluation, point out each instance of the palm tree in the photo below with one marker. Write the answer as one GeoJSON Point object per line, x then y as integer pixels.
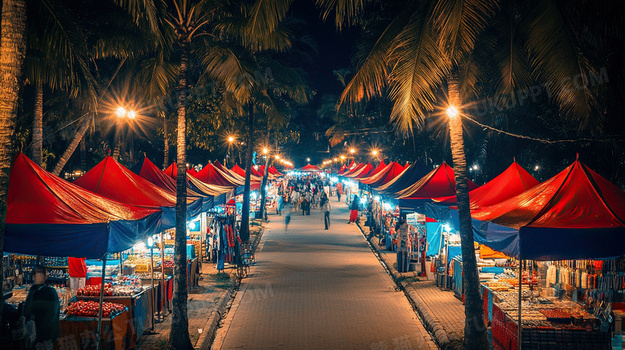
{"type": "Point", "coordinates": [56, 58]}
{"type": "Point", "coordinates": [12, 53]}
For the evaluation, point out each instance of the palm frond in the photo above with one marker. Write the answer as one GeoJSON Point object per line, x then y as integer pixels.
{"type": "Point", "coordinates": [558, 61]}
{"type": "Point", "coordinates": [156, 76]}
{"type": "Point", "coordinates": [57, 49]}
{"type": "Point", "coordinates": [233, 68]}
{"type": "Point", "coordinates": [418, 69]}
{"type": "Point", "coordinates": [335, 134]}
{"type": "Point", "coordinates": [371, 77]}
{"type": "Point", "coordinates": [511, 56]}
{"type": "Point", "coordinates": [149, 12]}
{"type": "Point", "coordinates": [459, 22]}
{"type": "Point", "coordinates": [265, 16]}
{"type": "Point", "coordinates": [345, 11]}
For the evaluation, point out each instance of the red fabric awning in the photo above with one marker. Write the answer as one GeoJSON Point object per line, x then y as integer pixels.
{"type": "Point", "coordinates": [385, 175]}
{"type": "Point", "coordinates": [512, 181]}
{"type": "Point", "coordinates": [112, 180]}
{"type": "Point", "coordinates": [311, 168]}
{"type": "Point", "coordinates": [437, 183]}
{"type": "Point", "coordinates": [577, 197]}
{"type": "Point", "coordinates": [37, 197]}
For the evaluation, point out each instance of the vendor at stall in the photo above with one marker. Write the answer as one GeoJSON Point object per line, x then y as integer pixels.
{"type": "Point", "coordinates": [77, 273]}
{"type": "Point", "coordinates": [42, 303]}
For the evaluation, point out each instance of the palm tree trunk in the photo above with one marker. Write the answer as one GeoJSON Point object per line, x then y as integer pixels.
{"type": "Point", "coordinates": [244, 233]}
{"type": "Point", "coordinates": [179, 334]}
{"type": "Point", "coordinates": [80, 133]}
{"type": "Point", "coordinates": [118, 146]}
{"type": "Point", "coordinates": [38, 126]}
{"type": "Point", "coordinates": [475, 336]}
{"type": "Point", "coordinates": [12, 52]}
{"type": "Point", "coordinates": [165, 140]}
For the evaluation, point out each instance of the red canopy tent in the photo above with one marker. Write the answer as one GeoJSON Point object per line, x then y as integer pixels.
{"type": "Point", "coordinates": [256, 171]}
{"type": "Point", "coordinates": [237, 169]}
{"type": "Point", "coordinates": [576, 214]}
{"type": "Point", "coordinates": [437, 183]}
{"type": "Point", "coordinates": [112, 180]}
{"type": "Point", "coordinates": [240, 171]}
{"type": "Point", "coordinates": [379, 168]}
{"type": "Point", "coordinates": [210, 175]}
{"type": "Point", "coordinates": [342, 169]}
{"type": "Point", "coordinates": [512, 181]}
{"type": "Point", "coordinates": [362, 172]}
{"type": "Point", "coordinates": [196, 188]}
{"type": "Point", "coordinates": [49, 216]}
{"type": "Point", "coordinates": [275, 171]}
{"type": "Point", "coordinates": [385, 175]}
{"type": "Point", "coordinates": [353, 170]}
{"type": "Point", "coordinates": [311, 168]}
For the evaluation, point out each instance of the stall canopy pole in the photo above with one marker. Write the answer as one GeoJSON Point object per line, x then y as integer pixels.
{"type": "Point", "coordinates": [99, 332]}
{"type": "Point", "coordinates": [446, 261]}
{"type": "Point", "coordinates": [520, 330]}
{"type": "Point", "coordinates": [153, 293]}
{"type": "Point", "coordinates": [163, 287]}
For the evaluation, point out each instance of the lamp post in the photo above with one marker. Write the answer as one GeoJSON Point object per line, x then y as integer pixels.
{"type": "Point", "coordinates": [230, 141]}
{"type": "Point", "coordinates": [123, 115]}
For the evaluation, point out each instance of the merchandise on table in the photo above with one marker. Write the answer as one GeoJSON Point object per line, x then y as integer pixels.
{"type": "Point", "coordinates": [91, 309]}
{"type": "Point", "coordinates": [111, 290]}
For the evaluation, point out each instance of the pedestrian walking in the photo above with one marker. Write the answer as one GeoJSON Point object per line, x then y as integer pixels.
{"type": "Point", "coordinates": [325, 208]}
{"type": "Point", "coordinates": [287, 221]}
{"type": "Point", "coordinates": [279, 205]}
{"type": "Point", "coordinates": [353, 214]}
{"type": "Point", "coordinates": [295, 198]}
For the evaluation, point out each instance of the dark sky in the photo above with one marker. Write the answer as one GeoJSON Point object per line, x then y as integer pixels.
{"type": "Point", "coordinates": [334, 47]}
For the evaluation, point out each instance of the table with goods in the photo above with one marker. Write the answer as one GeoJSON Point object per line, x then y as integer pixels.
{"type": "Point", "coordinates": [548, 322]}
{"type": "Point", "coordinates": [79, 324]}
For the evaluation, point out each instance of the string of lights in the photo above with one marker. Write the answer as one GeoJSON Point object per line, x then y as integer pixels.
{"type": "Point", "coordinates": [583, 139]}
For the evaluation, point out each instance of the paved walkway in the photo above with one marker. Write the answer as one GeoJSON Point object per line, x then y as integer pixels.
{"type": "Point", "coordinates": [442, 312]}
{"type": "Point", "coordinates": [318, 289]}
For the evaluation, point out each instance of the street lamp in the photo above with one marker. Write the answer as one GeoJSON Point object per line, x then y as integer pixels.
{"type": "Point", "coordinates": [123, 113]}
{"type": "Point", "coordinates": [308, 160]}
{"type": "Point", "coordinates": [452, 112]}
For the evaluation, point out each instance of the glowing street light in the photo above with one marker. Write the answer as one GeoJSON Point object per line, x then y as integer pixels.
{"type": "Point", "coordinates": [352, 150]}
{"type": "Point", "coordinates": [277, 156]}
{"type": "Point", "coordinates": [452, 112]}
{"type": "Point", "coordinates": [230, 139]}
{"type": "Point", "coordinates": [265, 150]}
{"type": "Point", "coordinates": [121, 112]}
{"type": "Point", "coordinates": [374, 152]}
{"type": "Point", "coordinates": [308, 160]}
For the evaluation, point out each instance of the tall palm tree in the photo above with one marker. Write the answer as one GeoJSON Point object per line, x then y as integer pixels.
{"type": "Point", "coordinates": [56, 58]}
{"type": "Point", "coordinates": [12, 53]}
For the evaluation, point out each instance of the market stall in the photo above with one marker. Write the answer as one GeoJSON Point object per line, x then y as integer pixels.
{"type": "Point", "coordinates": [573, 216]}
{"type": "Point", "coordinates": [71, 222]}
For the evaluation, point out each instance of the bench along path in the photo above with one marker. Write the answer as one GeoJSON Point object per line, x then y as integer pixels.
{"type": "Point", "coordinates": [318, 289]}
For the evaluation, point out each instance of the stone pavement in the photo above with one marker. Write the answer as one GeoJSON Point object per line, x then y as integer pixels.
{"type": "Point", "coordinates": [318, 289]}
{"type": "Point", "coordinates": [206, 305]}
{"type": "Point", "coordinates": [441, 311]}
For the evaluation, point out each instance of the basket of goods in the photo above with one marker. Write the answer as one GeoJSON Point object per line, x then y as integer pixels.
{"type": "Point", "coordinates": [556, 314]}
{"type": "Point", "coordinates": [91, 309]}
{"type": "Point", "coordinates": [497, 285]}
{"type": "Point", "coordinates": [94, 290]}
